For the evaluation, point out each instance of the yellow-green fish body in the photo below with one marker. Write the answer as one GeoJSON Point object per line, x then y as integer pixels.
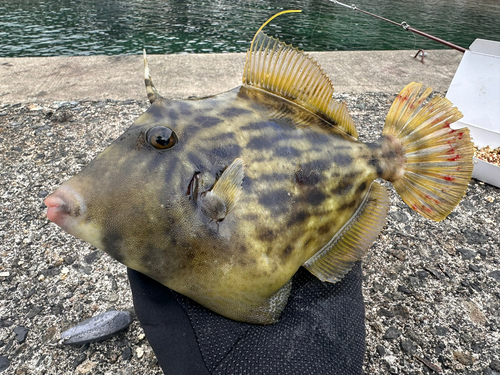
{"type": "Point", "coordinates": [223, 198]}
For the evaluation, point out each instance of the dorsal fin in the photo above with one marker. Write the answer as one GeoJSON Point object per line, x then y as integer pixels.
{"type": "Point", "coordinates": [351, 243]}
{"type": "Point", "coordinates": [287, 72]}
{"type": "Point", "coordinates": [150, 87]}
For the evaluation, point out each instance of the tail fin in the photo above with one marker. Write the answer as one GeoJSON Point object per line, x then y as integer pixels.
{"type": "Point", "coordinates": [438, 163]}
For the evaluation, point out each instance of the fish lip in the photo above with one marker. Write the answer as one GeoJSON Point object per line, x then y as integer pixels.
{"type": "Point", "coordinates": [63, 205]}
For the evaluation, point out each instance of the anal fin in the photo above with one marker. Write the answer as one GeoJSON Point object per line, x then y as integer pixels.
{"type": "Point", "coordinates": [350, 244]}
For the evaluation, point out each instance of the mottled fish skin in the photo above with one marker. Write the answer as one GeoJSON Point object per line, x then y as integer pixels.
{"type": "Point", "coordinates": [303, 181]}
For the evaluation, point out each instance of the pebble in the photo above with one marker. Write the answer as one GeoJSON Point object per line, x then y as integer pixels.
{"type": "Point", "coordinates": [466, 253]}
{"type": "Point", "coordinates": [474, 237]}
{"type": "Point", "coordinates": [495, 365]}
{"type": "Point", "coordinates": [127, 354]}
{"type": "Point", "coordinates": [474, 268]}
{"type": "Point", "coordinates": [408, 347]}
{"type": "Point", "coordinates": [495, 275]}
{"type": "Point", "coordinates": [465, 359]}
{"type": "Point", "coordinates": [139, 352]}
{"type": "Point", "coordinates": [35, 310]}
{"type": "Point", "coordinates": [90, 258]}
{"type": "Point", "coordinates": [98, 328]}
{"type": "Point", "coordinates": [441, 331]}
{"type": "Point", "coordinates": [4, 363]}
{"type": "Point", "coordinates": [21, 333]}
{"type": "Point", "coordinates": [381, 350]}
{"type": "Point", "coordinates": [79, 359]}
{"type": "Point", "coordinates": [391, 334]}
{"type": "Point", "coordinates": [86, 367]}
{"type": "Point", "coordinates": [404, 290]}
{"type": "Point", "coordinates": [385, 312]}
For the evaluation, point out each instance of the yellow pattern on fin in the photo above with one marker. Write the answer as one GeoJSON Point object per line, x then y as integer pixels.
{"type": "Point", "coordinates": [438, 163]}
{"type": "Point", "coordinates": [220, 201]}
{"type": "Point", "coordinates": [286, 72]}
{"type": "Point", "coordinates": [350, 244]}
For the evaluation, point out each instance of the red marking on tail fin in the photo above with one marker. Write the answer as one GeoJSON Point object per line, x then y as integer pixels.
{"type": "Point", "coordinates": [449, 178]}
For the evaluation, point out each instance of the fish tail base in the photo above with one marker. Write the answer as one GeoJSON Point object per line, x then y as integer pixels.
{"type": "Point", "coordinates": [437, 159]}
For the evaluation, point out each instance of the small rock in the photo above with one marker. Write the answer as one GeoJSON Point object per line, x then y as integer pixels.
{"type": "Point", "coordinates": [98, 328]}
{"type": "Point", "coordinates": [50, 334]}
{"type": "Point", "coordinates": [398, 254]}
{"type": "Point", "coordinates": [489, 371]}
{"type": "Point", "coordinates": [422, 274]}
{"type": "Point", "coordinates": [4, 274]}
{"type": "Point", "coordinates": [495, 365]}
{"type": "Point", "coordinates": [438, 275]}
{"type": "Point", "coordinates": [473, 237]}
{"type": "Point", "coordinates": [482, 253]}
{"type": "Point", "coordinates": [139, 352]}
{"type": "Point", "coordinates": [90, 258]}
{"type": "Point", "coordinates": [56, 309]}
{"type": "Point", "coordinates": [441, 331]}
{"type": "Point", "coordinates": [414, 337]}
{"type": "Point", "coordinates": [408, 347]}
{"type": "Point", "coordinates": [112, 297]}
{"type": "Point", "coordinates": [34, 107]}
{"type": "Point", "coordinates": [404, 290]}
{"type": "Point", "coordinates": [384, 312]}
{"type": "Point", "coordinates": [495, 275]}
{"type": "Point", "coordinates": [465, 359]}
{"type": "Point", "coordinates": [466, 253]}
{"type": "Point", "coordinates": [79, 359]}
{"type": "Point", "coordinates": [42, 194]}
{"type": "Point", "coordinates": [4, 363]}
{"type": "Point", "coordinates": [35, 310]}
{"type": "Point", "coordinates": [391, 334]}
{"type": "Point", "coordinates": [474, 268]}
{"type": "Point", "coordinates": [86, 367]}
{"type": "Point", "coordinates": [402, 311]}
{"type": "Point", "coordinates": [127, 354]}
{"type": "Point", "coordinates": [21, 333]}
{"type": "Point", "coordinates": [398, 216]}
{"type": "Point", "coordinates": [475, 313]}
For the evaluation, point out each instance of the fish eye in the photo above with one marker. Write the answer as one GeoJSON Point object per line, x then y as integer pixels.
{"type": "Point", "coordinates": [161, 137]}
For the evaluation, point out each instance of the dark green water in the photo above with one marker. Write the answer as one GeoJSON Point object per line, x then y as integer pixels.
{"type": "Point", "coordinates": [112, 27]}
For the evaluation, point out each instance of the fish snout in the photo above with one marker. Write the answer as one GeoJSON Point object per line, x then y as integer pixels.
{"type": "Point", "coordinates": [64, 205]}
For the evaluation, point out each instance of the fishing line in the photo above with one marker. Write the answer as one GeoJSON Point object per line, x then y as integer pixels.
{"type": "Point", "coordinates": [404, 25]}
{"type": "Point", "coordinates": [314, 29]}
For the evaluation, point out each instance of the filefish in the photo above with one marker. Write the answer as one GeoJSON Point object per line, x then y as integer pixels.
{"type": "Point", "coordinates": [223, 198]}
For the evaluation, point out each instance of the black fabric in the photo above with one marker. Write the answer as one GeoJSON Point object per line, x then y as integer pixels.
{"type": "Point", "coordinates": [321, 331]}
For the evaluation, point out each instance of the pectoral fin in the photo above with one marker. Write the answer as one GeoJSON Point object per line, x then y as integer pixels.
{"type": "Point", "coordinates": [218, 202]}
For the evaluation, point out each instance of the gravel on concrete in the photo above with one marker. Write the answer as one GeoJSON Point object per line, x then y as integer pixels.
{"type": "Point", "coordinates": [432, 290]}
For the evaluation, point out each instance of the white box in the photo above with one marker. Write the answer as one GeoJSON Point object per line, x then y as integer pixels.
{"type": "Point", "coordinates": [475, 91]}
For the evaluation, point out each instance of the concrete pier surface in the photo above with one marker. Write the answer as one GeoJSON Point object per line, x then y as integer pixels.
{"type": "Point", "coordinates": [185, 75]}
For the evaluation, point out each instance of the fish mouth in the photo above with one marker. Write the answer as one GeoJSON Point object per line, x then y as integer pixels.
{"type": "Point", "coordinates": [64, 206]}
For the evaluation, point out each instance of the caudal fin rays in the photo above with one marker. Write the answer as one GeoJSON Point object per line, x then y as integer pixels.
{"type": "Point", "coordinates": [438, 163]}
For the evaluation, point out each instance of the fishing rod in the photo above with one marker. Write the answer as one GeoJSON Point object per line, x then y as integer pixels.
{"type": "Point", "coordinates": [405, 26]}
